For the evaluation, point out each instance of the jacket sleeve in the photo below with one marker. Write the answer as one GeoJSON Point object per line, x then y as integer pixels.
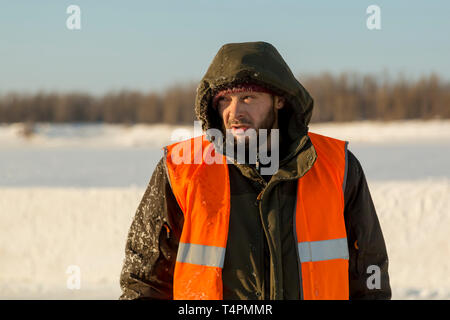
{"type": "Point", "coordinates": [368, 263]}
{"type": "Point", "coordinates": [152, 242]}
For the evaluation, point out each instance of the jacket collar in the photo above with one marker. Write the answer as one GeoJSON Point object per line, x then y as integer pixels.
{"type": "Point", "coordinates": [300, 157]}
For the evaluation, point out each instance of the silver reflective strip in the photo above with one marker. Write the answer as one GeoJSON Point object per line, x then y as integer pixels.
{"type": "Point", "coordinates": [199, 254]}
{"type": "Point", "coordinates": [323, 250]}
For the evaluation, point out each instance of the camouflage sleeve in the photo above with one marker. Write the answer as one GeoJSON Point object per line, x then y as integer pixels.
{"type": "Point", "coordinates": [152, 242]}
{"type": "Point", "coordinates": [365, 239]}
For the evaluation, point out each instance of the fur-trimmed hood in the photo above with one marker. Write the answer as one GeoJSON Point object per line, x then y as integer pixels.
{"type": "Point", "coordinates": [259, 63]}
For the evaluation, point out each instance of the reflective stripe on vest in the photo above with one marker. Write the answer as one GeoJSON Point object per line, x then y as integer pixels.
{"type": "Point", "coordinates": [323, 250]}
{"type": "Point", "coordinates": [320, 225]}
{"type": "Point", "coordinates": [202, 191]}
{"type": "Point", "coordinates": [202, 255]}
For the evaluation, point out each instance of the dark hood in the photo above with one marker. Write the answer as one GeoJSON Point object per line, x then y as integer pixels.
{"type": "Point", "coordinates": [259, 63]}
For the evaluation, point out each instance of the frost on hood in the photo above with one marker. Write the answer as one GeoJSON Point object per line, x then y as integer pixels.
{"type": "Point", "coordinates": [258, 63]}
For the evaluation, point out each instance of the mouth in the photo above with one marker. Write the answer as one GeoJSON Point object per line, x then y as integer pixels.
{"type": "Point", "coordinates": [239, 129]}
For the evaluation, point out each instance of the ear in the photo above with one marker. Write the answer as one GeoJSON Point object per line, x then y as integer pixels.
{"type": "Point", "coordinates": [278, 102]}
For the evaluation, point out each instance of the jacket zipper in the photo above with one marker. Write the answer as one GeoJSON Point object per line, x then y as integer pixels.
{"type": "Point", "coordinates": [258, 202]}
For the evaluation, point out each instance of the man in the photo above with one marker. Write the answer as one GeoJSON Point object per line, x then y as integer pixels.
{"type": "Point", "coordinates": [308, 230]}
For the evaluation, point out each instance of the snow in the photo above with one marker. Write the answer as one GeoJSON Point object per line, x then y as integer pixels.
{"type": "Point", "coordinates": [43, 231]}
{"type": "Point", "coordinates": [414, 216]}
{"type": "Point", "coordinates": [109, 135]}
{"type": "Point", "coordinates": [68, 196]}
{"type": "Point", "coordinates": [88, 135]}
{"type": "Point", "coordinates": [392, 132]}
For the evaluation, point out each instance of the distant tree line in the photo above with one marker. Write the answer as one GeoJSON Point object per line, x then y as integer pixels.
{"type": "Point", "coordinates": [349, 97]}
{"type": "Point", "coordinates": [343, 97]}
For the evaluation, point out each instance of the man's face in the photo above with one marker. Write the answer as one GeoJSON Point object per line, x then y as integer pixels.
{"type": "Point", "coordinates": [244, 110]}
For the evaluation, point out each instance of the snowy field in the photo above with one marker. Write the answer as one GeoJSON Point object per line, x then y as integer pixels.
{"type": "Point", "coordinates": [97, 135]}
{"type": "Point", "coordinates": [69, 192]}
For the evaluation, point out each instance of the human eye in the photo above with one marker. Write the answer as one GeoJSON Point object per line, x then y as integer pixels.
{"type": "Point", "coordinates": [222, 103]}
{"type": "Point", "coordinates": [248, 98]}
{"type": "Point", "coordinates": [222, 100]}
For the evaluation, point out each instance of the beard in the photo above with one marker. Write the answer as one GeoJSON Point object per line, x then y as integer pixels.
{"type": "Point", "coordinates": [244, 147]}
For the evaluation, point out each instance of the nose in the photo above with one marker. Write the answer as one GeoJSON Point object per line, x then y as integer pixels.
{"type": "Point", "coordinates": [235, 109]}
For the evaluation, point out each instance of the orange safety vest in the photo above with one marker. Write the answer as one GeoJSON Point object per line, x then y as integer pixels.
{"type": "Point", "coordinates": [202, 190]}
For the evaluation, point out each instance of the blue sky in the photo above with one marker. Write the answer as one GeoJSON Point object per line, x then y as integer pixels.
{"type": "Point", "coordinates": [150, 45]}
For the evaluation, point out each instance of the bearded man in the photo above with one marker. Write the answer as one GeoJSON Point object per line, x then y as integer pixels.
{"type": "Point", "coordinates": [230, 230]}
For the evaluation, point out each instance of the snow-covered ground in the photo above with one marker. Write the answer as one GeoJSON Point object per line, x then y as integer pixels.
{"type": "Point", "coordinates": [107, 135]}
{"type": "Point", "coordinates": [68, 195]}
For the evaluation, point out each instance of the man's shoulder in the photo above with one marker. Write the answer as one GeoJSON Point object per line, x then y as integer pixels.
{"type": "Point", "coordinates": [355, 174]}
{"type": "Point", "coordinates": [354, 164]}
{"type": "Point", "coordinates": [159, 176]}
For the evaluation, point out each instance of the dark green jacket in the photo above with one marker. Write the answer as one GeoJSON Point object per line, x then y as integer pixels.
{"type": "Point", "coordinates": [261, 259]}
